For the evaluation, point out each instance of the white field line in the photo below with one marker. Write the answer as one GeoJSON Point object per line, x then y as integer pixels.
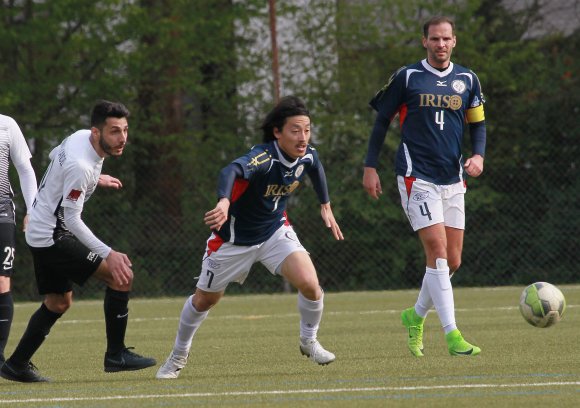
{"type": "Point", "coordinates": [290, 315]}
{"type": "Point", "coordinates": [289, 392]}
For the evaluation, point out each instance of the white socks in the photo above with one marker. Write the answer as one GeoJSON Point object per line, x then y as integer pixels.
{"type": "Point", "coordinates": [436, 291]}
{"type": "Point", "coordinates": [189, 322]}
{"type": "Point", "coordinates": [310, 316]}
{"type": "Point", "coordinates": [424, 302]}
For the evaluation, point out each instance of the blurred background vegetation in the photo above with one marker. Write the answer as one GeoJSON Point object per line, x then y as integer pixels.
{"type": "Point", "coordinates": [197, 78]}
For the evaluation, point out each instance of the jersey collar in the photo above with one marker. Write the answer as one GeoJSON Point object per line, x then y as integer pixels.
{"type": "Point", "coordinates": [282, 157]}
{"type": "Point", "coordinates": [436, 71]}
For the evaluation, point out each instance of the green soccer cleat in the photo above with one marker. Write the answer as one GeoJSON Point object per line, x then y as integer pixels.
{"type": "Point", "coordinates": [414, 324]}
{"type": "Point", "coordinates": [458, 346]}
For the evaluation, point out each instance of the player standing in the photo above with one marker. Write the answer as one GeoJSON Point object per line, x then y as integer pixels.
{"type": "Point", "coordinates": [249, 225]}
{"type": "Point", "coordinates": [13, 148]}
{"type": "Point", "coordinates": [65, 250]}
{"type": "Point", "coordinates": [434, 98]}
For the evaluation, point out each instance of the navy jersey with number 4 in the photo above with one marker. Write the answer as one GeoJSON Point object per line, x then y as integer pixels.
{"type": "Point", "coordinates": [259, 198]}
{"type": "Point", "coordinates": [433, 108]}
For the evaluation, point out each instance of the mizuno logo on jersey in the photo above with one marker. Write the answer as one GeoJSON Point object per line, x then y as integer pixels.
{"type": "Point", "coordinates": [440, 101]}
{"type": "Point", "coordinates": [441, 83]}
{"type": "Point", "coordinates": [280, 190]}
{"type": "Point", "coordinates": [73, 195]}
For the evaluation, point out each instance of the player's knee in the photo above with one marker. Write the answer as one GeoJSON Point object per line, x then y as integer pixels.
{"type": "Point", "coordinates": [204, 302]}
{"type": "Point", "coordinates": [58, 305]}
{"type": "Point", "coordinates": [454, 265]}
{"type": "Point", "coordinates": [311, 291]}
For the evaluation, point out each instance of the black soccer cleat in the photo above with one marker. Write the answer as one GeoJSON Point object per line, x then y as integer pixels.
{"type": "Point", "coordinates": [126, 360]}
{"type": "Point", "coordinates": [28, 374]}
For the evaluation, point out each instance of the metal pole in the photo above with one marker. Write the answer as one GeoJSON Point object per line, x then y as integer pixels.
{"type": "Point", "coordinates": [275, 65]}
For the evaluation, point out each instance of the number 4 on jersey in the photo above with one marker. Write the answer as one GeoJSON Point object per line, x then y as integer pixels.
{"type": "Point", "coordinates": [439, 119]}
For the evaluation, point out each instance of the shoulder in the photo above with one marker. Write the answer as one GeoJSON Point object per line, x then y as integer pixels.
{"type": "Point", "coordinates": [398, 74]}
{"type": "Point", "coordinates": [311, 152]}
{"type": "Point", "coordinates": [394, 85]}
{"type": "Point", "coordinates": [461, 70]}
{"type": "Point", "coordinates": [8, 123]}
{"type": "Point", "coordinates": [258, 156]}
{"type": "Point", "coordinates": [75, 152]}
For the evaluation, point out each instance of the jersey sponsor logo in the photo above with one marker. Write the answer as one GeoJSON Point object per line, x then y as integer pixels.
{"type": "Point", "coordinates": [74, 195]}
{"type": "Point", "coordinates": [421, 196]}
{"type": "Point", "coordinates": [440, 101]}
{"type": "Point", "coordinates": [458, 86]}
{"type": "Point", "coordinates": [274, 190]}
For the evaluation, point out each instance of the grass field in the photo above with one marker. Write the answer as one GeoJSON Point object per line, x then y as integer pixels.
{"type": "Point", "coordinates": [246, 354]}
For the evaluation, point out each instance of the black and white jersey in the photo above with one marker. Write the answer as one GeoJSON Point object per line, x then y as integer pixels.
{"type": "Point", "coordinates": [69, 181]}
{"type": "Point", "coordinates": [13, 148]}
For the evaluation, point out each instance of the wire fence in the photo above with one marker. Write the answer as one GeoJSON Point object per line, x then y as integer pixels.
{"type": "Point", "coordinates": [523, 224]}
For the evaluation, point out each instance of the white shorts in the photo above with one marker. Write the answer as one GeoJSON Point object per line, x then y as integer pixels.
{"type": "Point", "coordinates": [224, 262]}
{"type": "Point", "coordinates": [428, 204]}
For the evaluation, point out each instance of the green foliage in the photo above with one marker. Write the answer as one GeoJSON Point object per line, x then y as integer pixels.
{"type": "Point", "coordinates": [197, 78]}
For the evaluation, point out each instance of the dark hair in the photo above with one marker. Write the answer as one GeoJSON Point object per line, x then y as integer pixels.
{"type": "Point", "coordinates": [436, 21]}
{"type": "Point", "coordinates": [287, 107]}
{"type": "Point", "coordinates": [105, 109]}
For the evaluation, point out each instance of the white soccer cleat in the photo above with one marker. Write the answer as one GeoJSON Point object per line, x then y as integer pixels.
{"type": "Point", "coordinates": [172, 367]}
{"type": "Point", "coordinates": [312, 349]}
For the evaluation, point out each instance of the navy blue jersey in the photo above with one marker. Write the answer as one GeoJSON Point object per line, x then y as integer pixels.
{"type": "Point", "coordinates": [433, 108]}
{"type": "Point", "coordinates": [259, 197]}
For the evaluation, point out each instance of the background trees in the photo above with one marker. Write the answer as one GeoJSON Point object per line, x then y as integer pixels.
{"type": "Point", "coordinates": [196, 76]}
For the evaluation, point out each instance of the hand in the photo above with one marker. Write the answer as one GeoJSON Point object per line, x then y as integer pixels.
{"type": "Point", "coordinates": [107, 181]}
{"type": "Point", "coordinates": [25, 223]}
{"type": "Point", "coordinates": [474, 165]}
{"type": "Point", "coordinates": [120, 267]}
{"type": "Point", "coordinates": [372, 183]}
{"type": "Point", "coordinates": [330, 222]}
{"type": "Point", "coordinates": [218, 216]}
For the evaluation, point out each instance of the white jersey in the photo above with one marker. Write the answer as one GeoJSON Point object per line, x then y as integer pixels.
{"type": "Point", "coordinates": [13, 148]}
{"type": "Point", "coordinates": [69, 181]}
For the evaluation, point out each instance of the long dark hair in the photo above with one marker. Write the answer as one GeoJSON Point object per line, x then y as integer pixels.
{"type": "Point", "coordinates": [287, 107]}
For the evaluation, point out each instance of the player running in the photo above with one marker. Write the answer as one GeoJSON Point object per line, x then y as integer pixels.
{"type": "Point", "coordinates": [249, 225]}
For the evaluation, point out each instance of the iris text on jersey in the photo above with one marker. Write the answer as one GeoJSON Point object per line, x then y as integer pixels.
{"type": "Point", "coordinates": [440, 101]}
{"type": "Point", "coordinates": [280, 190]}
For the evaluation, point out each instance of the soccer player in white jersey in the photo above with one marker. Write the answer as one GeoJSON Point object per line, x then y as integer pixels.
{"type": "Point", "coordinates": [249, 225]}
{"type": "Point", "coordinates": [13, 148]}
{"type": "Point", "coordinates": [65, 250]}
{"type": "Point", "coordinates": [434, 99]}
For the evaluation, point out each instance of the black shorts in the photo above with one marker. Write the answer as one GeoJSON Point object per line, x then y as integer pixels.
{"type": "Point", "coordinates": [7, 244]}
{"type": "Point", "coordinates": [58, 266]}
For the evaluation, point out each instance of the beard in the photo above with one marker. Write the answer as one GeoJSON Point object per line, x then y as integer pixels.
{"type": "Point", "coordinates": [107, 148]}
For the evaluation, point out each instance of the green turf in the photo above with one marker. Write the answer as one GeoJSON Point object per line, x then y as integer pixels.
{"type": "Point", "coordinates": [246, 354]}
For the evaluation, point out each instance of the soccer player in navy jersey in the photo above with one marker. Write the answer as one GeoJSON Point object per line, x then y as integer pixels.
{"type": "Point", "coordinates": [434, 99]}
{"type": "Point", "coordinates": [249, 224]}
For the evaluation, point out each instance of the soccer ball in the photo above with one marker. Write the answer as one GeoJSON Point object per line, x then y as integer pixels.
{"type": "Point", "coordinates": [542, 304]}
